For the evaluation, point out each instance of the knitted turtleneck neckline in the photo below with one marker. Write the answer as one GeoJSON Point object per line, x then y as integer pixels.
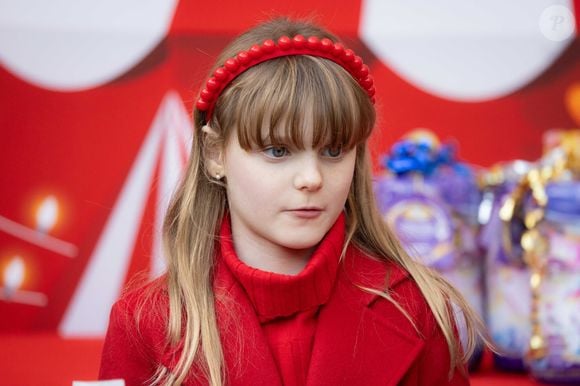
{"type": "Point", "coordinates": [276, 295]}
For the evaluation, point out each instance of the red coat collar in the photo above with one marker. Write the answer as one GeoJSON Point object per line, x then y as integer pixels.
{"type": "Point", "coordinates": [363, 339]}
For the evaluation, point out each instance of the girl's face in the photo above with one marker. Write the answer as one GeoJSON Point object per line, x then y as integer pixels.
{"type": "Point", "coordinates": [282, 198]}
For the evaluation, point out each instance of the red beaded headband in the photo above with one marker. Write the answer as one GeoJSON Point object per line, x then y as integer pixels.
{"type": "Point", "coordinates": [299, 45]}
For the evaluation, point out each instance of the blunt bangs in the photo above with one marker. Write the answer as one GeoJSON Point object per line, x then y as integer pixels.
{"type": "Point", "coordinates": [273, 103]}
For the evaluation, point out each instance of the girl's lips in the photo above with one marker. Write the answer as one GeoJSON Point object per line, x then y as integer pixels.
{"type": "Point", "coordinates": [306, 213]}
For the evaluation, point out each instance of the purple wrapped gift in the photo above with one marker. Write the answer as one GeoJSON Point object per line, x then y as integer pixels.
{"type": "Point", "coordinates": [559, 301]}
{"type": "Point", "coordinates": [507, 276]}
{"type": "Point", "coordinates": [431, 202]}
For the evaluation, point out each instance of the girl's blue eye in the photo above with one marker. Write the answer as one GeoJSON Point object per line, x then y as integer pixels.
{"type": "Point", "coordinates": [276, 151]}
{"type": "Point", "coordinates": [332, 152]}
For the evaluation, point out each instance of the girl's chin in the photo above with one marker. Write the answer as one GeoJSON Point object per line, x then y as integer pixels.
{"type": "Point", "coordinates": [300, 244]}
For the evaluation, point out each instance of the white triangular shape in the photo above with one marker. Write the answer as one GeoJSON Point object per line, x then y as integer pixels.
{"type": "Point", "coordinates": [105, 274]}
{"type": "Point", "coordinates": [176, 144]}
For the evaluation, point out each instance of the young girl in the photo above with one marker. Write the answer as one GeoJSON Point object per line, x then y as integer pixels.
{"type": "Point", "coordinates": [280, 269]}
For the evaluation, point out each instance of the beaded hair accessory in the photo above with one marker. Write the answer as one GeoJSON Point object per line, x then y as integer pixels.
{"type": "Point", "coordinates": [285, 46]}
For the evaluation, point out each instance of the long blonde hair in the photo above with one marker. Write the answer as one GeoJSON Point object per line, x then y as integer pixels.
{"type": "Point", "coordinates": [276, 93]}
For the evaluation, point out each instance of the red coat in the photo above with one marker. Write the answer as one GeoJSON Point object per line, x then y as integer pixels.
{"type": "Point", "coordinates": [361, 338]}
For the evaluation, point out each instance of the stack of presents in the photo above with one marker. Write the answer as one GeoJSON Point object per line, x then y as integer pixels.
{"type": "Point", "coordinates": [507, 237]}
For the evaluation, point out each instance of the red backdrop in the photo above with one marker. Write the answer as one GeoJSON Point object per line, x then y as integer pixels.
{"type": "Point", "coordinates": [91, 151]}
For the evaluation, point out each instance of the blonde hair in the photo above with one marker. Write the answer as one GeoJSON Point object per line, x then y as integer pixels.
{"type": "Point", "coordinates": [275, 94]}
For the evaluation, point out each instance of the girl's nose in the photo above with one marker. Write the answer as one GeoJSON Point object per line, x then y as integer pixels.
{"type": "Point", "coordinates": [309, 175]}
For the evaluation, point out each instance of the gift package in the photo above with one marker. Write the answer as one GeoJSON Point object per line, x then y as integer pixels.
{"type": "Point", "coordinates": [431, 202]}
{"type": "Point", "coordinates": [507, 237]}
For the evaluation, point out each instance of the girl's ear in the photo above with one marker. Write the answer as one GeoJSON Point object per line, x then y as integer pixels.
{"type": "Point", "coordinates": [214, 155]}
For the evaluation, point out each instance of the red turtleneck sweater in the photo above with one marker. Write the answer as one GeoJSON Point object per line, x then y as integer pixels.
{"type": "Point", "coordinates": [287, 305]}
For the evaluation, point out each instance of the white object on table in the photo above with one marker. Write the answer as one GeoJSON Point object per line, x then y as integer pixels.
{"type": "Point", "coordinates": [111, 382]}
